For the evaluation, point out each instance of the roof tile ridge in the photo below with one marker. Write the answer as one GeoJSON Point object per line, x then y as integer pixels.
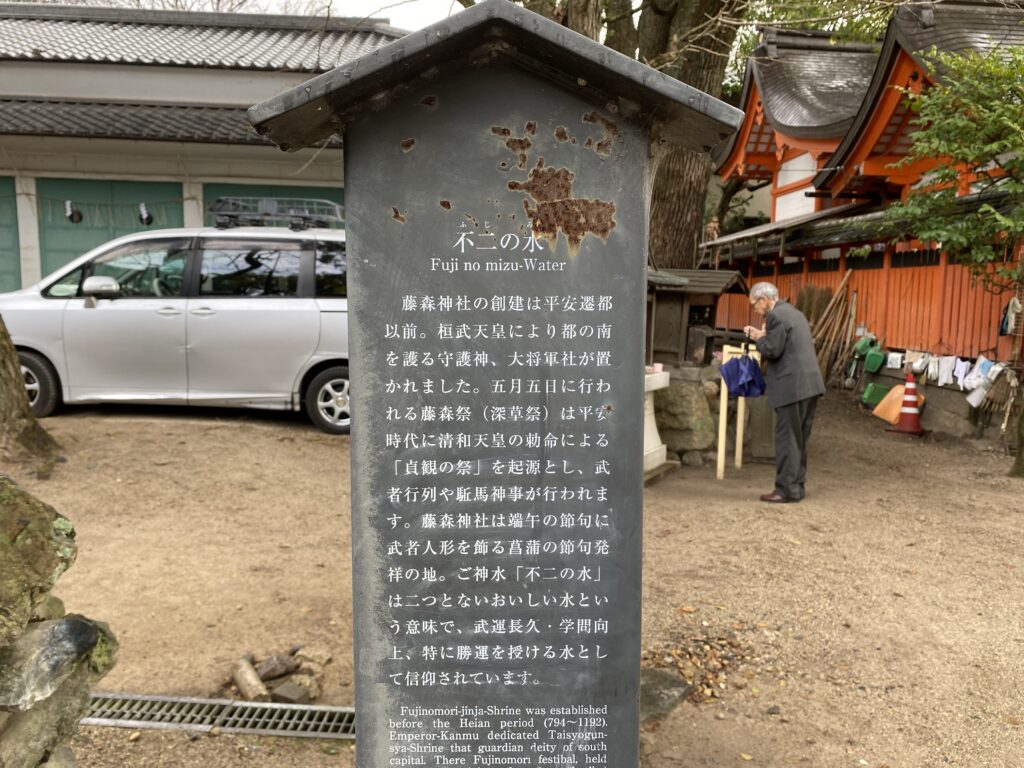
{"type": "Point", "coordinates": [148, 17]}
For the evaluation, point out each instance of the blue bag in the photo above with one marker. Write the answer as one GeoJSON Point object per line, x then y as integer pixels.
{"type": "Point", "coordinates": [742, 376]}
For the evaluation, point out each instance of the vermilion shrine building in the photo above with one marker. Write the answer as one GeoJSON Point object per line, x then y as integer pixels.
{"type": "Point", "coordinates": [825, 124]}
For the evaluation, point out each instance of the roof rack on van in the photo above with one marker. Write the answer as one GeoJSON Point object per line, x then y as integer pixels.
{"type": "Point", "coordinates": [293, 212]}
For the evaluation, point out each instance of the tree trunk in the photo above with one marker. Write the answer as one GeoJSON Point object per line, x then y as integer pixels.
{"type": "Point", "coordinates": [584, 16]}
{"type": "Point", "coordinates": [677, 208]}
{"type": "Point", "coordinates": [681, 178]}
{"type": "Point", "coordinates": [21, 436]}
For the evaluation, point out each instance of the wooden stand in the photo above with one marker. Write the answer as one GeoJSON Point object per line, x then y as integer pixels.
{"type": "Point", "coordinates": [728, 353]}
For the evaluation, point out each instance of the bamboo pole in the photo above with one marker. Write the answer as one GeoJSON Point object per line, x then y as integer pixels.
{"type": "Point", "coordinates": [826, 316]}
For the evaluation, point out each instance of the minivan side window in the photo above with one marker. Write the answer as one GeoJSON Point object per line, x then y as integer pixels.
{"type": "Point", "coordinates": [146, 268]}
{"type": "Point", "coordinates": [250, 268]}
{"type": "Point", "coordinates": [331, 270]}
{"type": "Point", "coordinates": [66, 287]}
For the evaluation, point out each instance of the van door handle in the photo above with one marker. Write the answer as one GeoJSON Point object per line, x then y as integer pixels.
{"type": "Point", "coordinates": [203, 312]}
{"type": "Point", "coordinates": [168, 311]}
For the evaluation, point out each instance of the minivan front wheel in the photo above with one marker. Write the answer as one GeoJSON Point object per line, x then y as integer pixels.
{"type": "Point", "coordinates": [40, 383]}
{"type": "Point", "coordinates": [328, 403]}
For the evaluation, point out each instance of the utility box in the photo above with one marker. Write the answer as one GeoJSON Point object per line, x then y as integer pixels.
{"type": "Point", "coordinates": [498, 169]}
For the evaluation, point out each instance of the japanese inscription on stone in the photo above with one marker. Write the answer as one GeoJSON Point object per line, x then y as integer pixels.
{"type": "Point", "coordinates": [497, 309]}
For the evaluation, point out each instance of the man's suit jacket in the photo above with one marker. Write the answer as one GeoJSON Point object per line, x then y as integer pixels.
{"type": "Point", "coordinates": [792, 362]}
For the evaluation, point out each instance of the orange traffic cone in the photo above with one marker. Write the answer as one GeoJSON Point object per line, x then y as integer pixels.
{"type": "Point", "coordinates": [910, 414]}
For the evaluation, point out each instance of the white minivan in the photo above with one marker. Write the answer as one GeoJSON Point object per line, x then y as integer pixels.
{"type": "Point", "coordinates": [247, 316]}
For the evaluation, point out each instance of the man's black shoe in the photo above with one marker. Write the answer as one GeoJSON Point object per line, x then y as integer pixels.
{"type": "Point", "coordinates": [775, 498]}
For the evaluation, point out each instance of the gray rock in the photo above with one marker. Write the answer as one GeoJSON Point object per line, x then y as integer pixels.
{"type": "Point", "coordinates": [693, 458]}
{"type": "Point", "coordinates": [276, 666]}
{"type": "Point", "coordinates": [51, 608]}
{"type": "Point", "coordinates": [290, 693]}
{"type": "Point", "coordinates": [49, 652]}
{"type": "Point", "coordinates": [308, 681]}
{"type": "Point", "coordinates": [314, 654]}
{"type": "Point", "coordinates": [760, 429]}
{"type": "Point", "coordinates": [712, 391]}
{"type": "Point", "coordinates": [61, 757]}
{"type": "Point", "coordinates": [660, 693]}
{"type": "Point", "coordinates": [683, 417]}
{"type": "Point", "coordinates": [685, 373]}
{"type": "Point", "coordinates": [32, 734]}
{"type": "Point", "coordinates": [37, 544]}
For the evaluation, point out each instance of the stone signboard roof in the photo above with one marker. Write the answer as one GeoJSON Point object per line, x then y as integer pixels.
{"type": "Point", "coordinates": [678, 113]}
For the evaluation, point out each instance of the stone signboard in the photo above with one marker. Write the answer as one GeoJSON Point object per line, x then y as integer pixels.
{"type": "Point", "coordinates": [496, 217]}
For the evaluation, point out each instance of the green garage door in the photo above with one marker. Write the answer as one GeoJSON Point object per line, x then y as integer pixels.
{"type": "Point", "coordinates": [108, 209]}
{"type": "Point", "coordinates": [10, 260]}
{"type": "Point", "coordinates": [212, 191]}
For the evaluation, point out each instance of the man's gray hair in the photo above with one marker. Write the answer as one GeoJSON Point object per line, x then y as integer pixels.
{"type": "Point", "coordinates": [764, 291]}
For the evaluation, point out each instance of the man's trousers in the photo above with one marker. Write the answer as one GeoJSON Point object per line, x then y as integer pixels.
{"type": "Point", "coordinates": [792, 432]}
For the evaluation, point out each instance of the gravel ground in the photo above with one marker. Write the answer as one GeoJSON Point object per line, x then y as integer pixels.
{"type": "Point", "coordinates": [878, 623]}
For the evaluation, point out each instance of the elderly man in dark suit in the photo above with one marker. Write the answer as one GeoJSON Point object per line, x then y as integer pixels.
{"type": "Point", "coordinates": [794, 386]}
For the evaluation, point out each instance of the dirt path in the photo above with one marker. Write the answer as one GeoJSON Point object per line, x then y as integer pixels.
{"type": "Point", "coordinates": [878, 623]}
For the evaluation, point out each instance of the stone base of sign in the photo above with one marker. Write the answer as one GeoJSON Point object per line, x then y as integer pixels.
{"type": "Point", "coordinates": [653, 475]}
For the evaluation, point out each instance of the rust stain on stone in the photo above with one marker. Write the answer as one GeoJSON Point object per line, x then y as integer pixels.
{"type": "Point", "coordinates": [557, 210]}
{"type": "Point", "coordinates": [546, 184]}
{"type": "Point", "coordinates": [397, 215]}
{"type": "Point", "coordinates": [407, 144]}
{"type": "Point", "coordinates": [471, 219]}
{"type": "Point", "coordinates": [610, 130]}
{"type": "Point", "coordinates": [562, 134]}
{"type": "Point", "coordinates": [575, 217]}
{"type": "Point", "coordinates": [430, 102]}
{"type": "Point", "coordinates": [519, 145]}
{"type": "Point", "coordinates": [446, 204]}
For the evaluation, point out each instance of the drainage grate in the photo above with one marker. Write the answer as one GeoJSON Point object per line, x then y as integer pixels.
{"type": "Point", "coordinates": [125, 710]}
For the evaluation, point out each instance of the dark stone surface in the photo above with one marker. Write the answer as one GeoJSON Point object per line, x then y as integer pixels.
{"type": "Point", "coordinates": [660, 693]}
{"type": "Point", "coordinates": [276, 666]}
{"type": "Point", "coordinates": [445, 190]}
{"type": "Point", "coordinates": [37, 544]}
{"type": "Point", "coordinates": [61, 757]}
{"type": "Point", "coordinates": [31, 734]}
{"type": "Point", "coordinates": [684, 417]}
{"type": "Point", "coordinates": [48, 652]}
{"type": "Point", "coordinates": [289, 692]}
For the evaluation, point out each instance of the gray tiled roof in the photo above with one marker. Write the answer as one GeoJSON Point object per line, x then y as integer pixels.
{"type": "Point", "coordinates": [960, 25]}
{"type": "Point", "coordinates": [811, 86]}
{"type": "Point", "coordinates": [952, 26]}
{"type": "Point", "coordinates": [174, 38]}
{"type": "Point", "coordinates": [712, 281]}
{"type": "Point", "coordinates": [222, 125]}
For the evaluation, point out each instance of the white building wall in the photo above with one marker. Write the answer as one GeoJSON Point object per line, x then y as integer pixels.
{"type": "Point", "coordinates": [795, 169]}
{"type": "Point", "coordinates": [793, 204]}
{"type": "Point", "coordinates": [29, 158]}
